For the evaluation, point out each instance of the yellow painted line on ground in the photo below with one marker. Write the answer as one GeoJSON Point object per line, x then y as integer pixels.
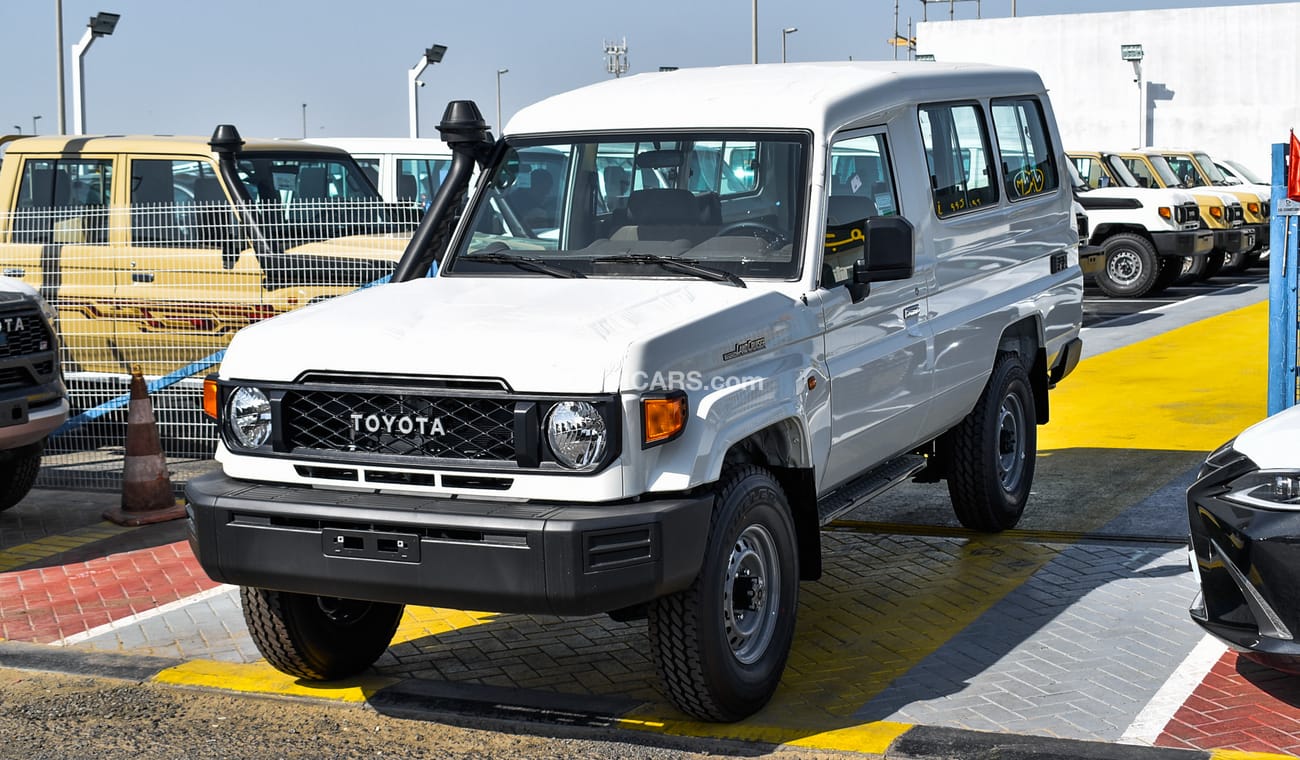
{"type": "Point", "coordinates": [419, 622]}
{"type": "Point", "coordinates": [1232, 754]}
{"type": "Point", "coordinates": [1189, 389]}
{"type": "Point", "coordinates": [261, 678]}
{"type": "Point", "coordinates": [43, 548]}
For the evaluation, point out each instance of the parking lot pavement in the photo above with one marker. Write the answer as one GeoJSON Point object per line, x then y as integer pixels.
{"type": "Point", "coordinates": [920, 639]}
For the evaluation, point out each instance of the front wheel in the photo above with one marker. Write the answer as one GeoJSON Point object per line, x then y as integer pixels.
{"type": "Point", "coordinates": [1132, 266]}
{"type": "Point", "coordinates": [721, 645]}
{"type": "Point", "coordinates": [318, 638]}
{"type": "Point", "coordinates": [991, 452]}
{"type": "Point", "coordinates": [18, 474]}
{"type": "Point", "coordinates": [1213, 264]}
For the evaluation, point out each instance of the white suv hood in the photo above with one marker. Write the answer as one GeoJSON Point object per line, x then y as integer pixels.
{"type": "Point", "coordinates": [1273, 443]}
{"type": "Point", "coordinates": [538, 334]}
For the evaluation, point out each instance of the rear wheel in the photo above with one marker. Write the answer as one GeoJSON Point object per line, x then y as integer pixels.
{"type": "Point", "coordinates": [318, 638]}
{"type": "Point", "coordinates": [991, 452]}
{"type": "Point", "coordinates": [721, 645]}
{"type": "Point", "coordinates": [1131, 266]}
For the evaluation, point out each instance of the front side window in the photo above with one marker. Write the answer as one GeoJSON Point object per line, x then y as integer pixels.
{"type": "Point", "coordinates": [1210, 169]}
{"type": "Point", "coordinates": [419, 178]}
{"type": "Point", "coordinates": [1185, 169]}
{"type": "Point", "coordinates": [860, 185]}
{"type": "Point", "coordinates": [1146, 176]}
{"type": "Point", "coordinates": [1028, 167]}
{"type": "Point", "coordinates": [957, 151]}
{"type": "Point", "coordinates": [624, 205]}
{"type": "Point", "coordinates": [178, 202]}
{"type": "Point", "coordinates": [1092, 172]}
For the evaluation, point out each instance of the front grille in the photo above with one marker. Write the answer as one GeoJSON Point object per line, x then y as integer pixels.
{"type": "Point", "coordinates": [15, 377]}
{"type": "Point", "coordinates": [23, 333]}
{"type": "Point", "coordinates": [400, 424]}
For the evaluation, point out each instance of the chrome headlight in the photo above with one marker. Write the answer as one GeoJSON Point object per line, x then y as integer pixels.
{"type": "Point", "coordinates": [1266, 489]}
{"type": "Point", "coordinates": [577, 433]}
{"type": "Point", "coordinates": [248, 416]}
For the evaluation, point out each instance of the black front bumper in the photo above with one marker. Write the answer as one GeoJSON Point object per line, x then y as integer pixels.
{"type": "Point", "coordinates": [1183, 242]}
{"type": "Point", "coordinates": [494, 556]}
{"type": "Point", "coordinates": [1236, 240]}
{"type": "Point", "coordinates": [1248, 561]}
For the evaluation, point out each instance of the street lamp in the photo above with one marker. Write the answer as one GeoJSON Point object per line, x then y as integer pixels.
{"type": "Point", "coordinates": [1133, 54]}
{"type": "Point", "coordinates": [100, 25]}
{"type": "Point", "coordinates": [34, 118]}
{"type": "Point", "coordinates": [786, 32]}
{"type": "Point", "coordinates": [432, 54]}
{"type": "Point", "coordinates": [18, 128]}
{"type": "Point", "coordinates": [500, 126]}
{"type": "Point", "coordinates": [304, 120]}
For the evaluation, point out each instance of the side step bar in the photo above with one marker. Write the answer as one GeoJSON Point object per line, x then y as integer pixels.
{"type": "Point", "coordinates": [868, 486]}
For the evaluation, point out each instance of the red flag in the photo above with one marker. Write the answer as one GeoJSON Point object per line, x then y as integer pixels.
{"type": "Point", "coordinates": [1293, 169]}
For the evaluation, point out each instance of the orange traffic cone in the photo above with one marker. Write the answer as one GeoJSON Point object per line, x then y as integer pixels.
{"type": "Point", "coordinates": [146, 487]}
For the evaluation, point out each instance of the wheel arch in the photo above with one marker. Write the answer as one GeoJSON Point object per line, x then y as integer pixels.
{"type": "Point", "coordinates": [1025, 338]}
{"type": "Point", "coordinates": [781, 448]}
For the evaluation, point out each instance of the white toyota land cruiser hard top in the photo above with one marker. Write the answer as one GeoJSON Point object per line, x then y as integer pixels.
{"type": "Point", "coordinates": [744, 300]}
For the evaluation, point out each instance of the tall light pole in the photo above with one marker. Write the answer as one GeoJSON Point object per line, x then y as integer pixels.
{"type": "Point", "coordinates": [100, 25]}
{"type": "Point", "coordinates": [304, 120]}
{"type": "Point", "coordinates": [500, 126]}
{"type": "Point", "coordinates": [1133, 54]}
{"type": "Point", "coordinates": [58, 70]}
{"type": "Point", "coordinates": [34, 118]}
{"type": "Point", "coordinates": [786, 32]}
{"type": "Point", "coordinates": [18, 128]}
{"type": "Point", "coordinates": [431, 55]}
{"type": "Point", "coordinates": [754, 29]}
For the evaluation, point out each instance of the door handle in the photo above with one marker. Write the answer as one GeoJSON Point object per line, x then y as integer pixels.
{"type": "Point", "coordinates": [142, 277]}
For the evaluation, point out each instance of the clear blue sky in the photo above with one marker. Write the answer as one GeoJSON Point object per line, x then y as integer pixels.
{"type": "Point", "coordinates": [181, 67]}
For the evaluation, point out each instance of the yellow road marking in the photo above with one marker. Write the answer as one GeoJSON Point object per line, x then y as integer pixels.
{"type": "Point", "coordinates": [261, 678]}
{"type": "Point", "coordinates": [1232, 754]}
{"type": "Point", "coordinates": [1189, 389]}
{"type": "Point", "coordinates": [419, 622]}
{"type": "Point", "coordinates": [43, 548]}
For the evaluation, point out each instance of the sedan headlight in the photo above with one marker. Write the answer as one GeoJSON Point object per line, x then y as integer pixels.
{"type": "Point", "coordinates": [577, 433]}
{"type": "Point", "coordinates": [1266, 489]}
{"type": "Point", "coordinates": [248, 415]}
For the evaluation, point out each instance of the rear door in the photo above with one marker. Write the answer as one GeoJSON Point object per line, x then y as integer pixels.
{"type": "Point", "coordinates": [58, 241]}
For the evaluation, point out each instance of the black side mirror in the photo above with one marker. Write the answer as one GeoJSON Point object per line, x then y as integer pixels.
{"type": "Point", "coordinates": [887, 254]}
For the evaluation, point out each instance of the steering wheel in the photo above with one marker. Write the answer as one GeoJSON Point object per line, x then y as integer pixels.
{"type": "Point", "coordinates": [774, 237]}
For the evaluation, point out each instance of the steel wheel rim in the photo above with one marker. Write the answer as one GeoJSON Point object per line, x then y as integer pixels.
{"type": "Point", "coordinates": [1011, 442]}
{"type": "Point", "coordinates": [1124, 266]}
{"type": "Point", "coordinates": [751, 594]}
{"type": "Point", "coordinates": [342, 611]}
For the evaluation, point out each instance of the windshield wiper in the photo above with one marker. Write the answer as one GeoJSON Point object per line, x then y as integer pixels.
{"type": "Point", "coordinates": [673, 263]}
{"type": "Point", "coordinates": [523, 262]}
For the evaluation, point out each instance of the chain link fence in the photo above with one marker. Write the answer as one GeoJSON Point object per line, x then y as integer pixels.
{"type": "Point", "coordinates": [162, 288]}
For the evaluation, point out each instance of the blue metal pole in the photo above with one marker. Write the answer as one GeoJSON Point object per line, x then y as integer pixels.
{"type": "Point", "coordinates": [1283, 234]}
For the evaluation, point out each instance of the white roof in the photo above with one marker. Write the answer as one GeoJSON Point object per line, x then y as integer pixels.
{"type": "Point", "coordinates": [816, 96]}
{"type": "Point", "coordinates": [404, 146]}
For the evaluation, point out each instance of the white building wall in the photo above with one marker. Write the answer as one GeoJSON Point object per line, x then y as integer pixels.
{"type": "Point", "coordinates": [1221, 79]}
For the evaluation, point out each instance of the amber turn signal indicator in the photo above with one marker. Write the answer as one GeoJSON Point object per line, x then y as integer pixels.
{"type": "Point", "coordinates": [210, 396]}
{"type": "Point", "coordinates": [662, 418]}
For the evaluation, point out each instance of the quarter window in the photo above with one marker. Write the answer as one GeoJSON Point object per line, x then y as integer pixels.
{"type": "Point", "coordinates": [956, 152]}
{"type": "Point", "coordinates": [1028, 167]}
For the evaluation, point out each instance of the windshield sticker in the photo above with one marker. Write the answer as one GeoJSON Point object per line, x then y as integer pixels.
{"type": "Point", "coordinates": [745, 347]}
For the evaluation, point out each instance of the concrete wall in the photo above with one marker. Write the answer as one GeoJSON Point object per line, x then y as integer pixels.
{"type": "Point", "coordinates": [1222, 79]}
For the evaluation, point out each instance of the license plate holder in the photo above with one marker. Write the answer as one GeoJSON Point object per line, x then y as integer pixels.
{"type": "Point", "coordinates": [369, 544]}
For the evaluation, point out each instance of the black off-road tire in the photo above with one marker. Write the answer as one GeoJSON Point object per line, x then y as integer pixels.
{"type": "Point", "coordinates": [1132, 266]}
{"type": "Point", "coordinates": [1193, 266]}
{"type": "Point", "coordinates": [1170, 269]}
{"type": "Point", "coordinates": [318, 638]}
{"type": "Point", "coordinates": [991, 452]}
{"type": "Point", "coordinates": [1213, 264]}
{"type": "Point", "coordinates": [1235, 262]}
{"type": "Point", "coordinates": [18, 471]}
{"type": "Point", "coordinates": [721, 645]}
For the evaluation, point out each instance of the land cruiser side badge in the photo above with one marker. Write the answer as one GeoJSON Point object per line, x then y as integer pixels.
{"type": "Point", "coordinates": [746, 347]}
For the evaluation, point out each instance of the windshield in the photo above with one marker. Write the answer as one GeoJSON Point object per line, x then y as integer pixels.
{"type": "Point", "coordinates": [1245, 172]}
{"type": "Point", "coordinates": [1210, 170]}
{"type": "Point", "coordinates": [602, 206]}
{"type": "Point", "coordinates": [1167, 176]}
{"type": "Point", "coordinates": [1186, 169]}
{"type": "Point", "coordinates": [1120, 172]}
{"type": "Point", "coordinates": [304, 197]}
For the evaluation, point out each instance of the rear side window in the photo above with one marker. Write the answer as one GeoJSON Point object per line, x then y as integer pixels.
{"type": "Point", "coordinates": [957, 154]}
{"type": "Point", "coordinates": [1028, 166]}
